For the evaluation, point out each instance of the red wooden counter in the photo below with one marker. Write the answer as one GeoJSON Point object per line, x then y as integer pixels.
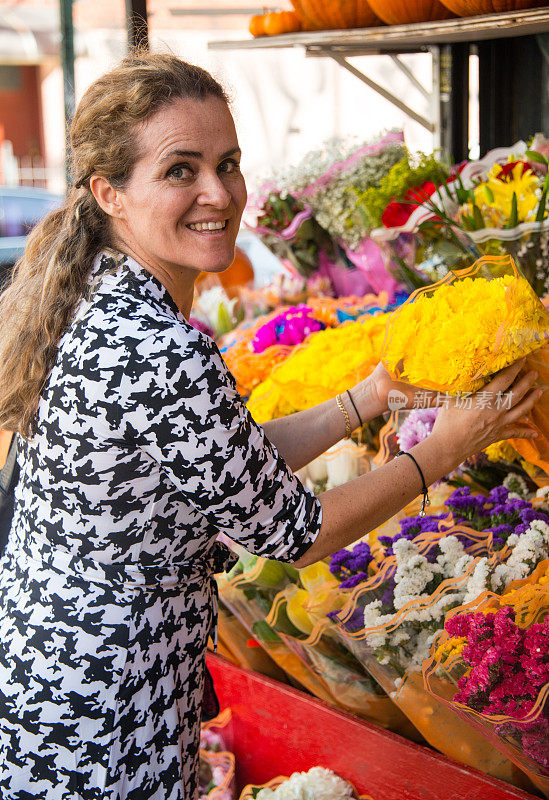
{"type": "Point", "coordinates": [278, 730]}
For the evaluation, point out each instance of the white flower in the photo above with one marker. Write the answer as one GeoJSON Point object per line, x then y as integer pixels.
{"type": "Point", "coordinates": [516, 484]}
{"type": "Point", "coordinates": [453, 559]}
{"type": "Point", "coordinates": [543, 492]}
{"type": "Point", "coordinates": [531, 547]}
{"type": "Point", "coordinates": [478, 582]}
{"type": "Point", "coordinates": [317, 784]}
{"type": "Point", "coordinates": [316, 470]}
{"type": "Point", "coordinates": [413, 572]}
{"type": "Point", "coordinates": [373, 619]}
{"type": "Point", "coordinates": [423, 645]}
{"type": "Point", "coordinates": [343, 463]}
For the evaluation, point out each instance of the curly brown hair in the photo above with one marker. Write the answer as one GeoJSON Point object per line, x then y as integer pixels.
{"type": "Point", "coordinates": [50, 279]}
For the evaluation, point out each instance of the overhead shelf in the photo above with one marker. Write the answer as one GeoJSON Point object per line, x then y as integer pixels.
{"type": "Point", "coordinates": [402, 38]}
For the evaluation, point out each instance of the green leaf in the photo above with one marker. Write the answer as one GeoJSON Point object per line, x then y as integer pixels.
{"type": "Point", "coordinates": [513, 218]}
{"type": "Point", "coordinates": [488, 193]}
{"type": "Point", "coordinates": [533, 155]}
{"type": "Point", "coordinates": [478, 219]}
{"type": "Point", "coordinates": [540, 215]}
{"type": "Point", "coordinates": [264, 633]}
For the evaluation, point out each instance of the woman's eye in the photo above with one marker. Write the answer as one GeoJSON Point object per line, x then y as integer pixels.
{"type": "Point", "coordinates": [229, 166]}
{"type": "Point", "coordinates": [180, 172]}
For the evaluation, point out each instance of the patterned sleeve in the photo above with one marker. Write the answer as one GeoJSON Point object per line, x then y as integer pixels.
{"type": "Point", "coordinates": [179, 403]}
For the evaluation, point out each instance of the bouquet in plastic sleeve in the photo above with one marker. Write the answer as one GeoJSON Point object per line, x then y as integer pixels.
{"type": "Point", "coordinates": [234, 642]}
{"type": "Point", "coordinates": [216, 763]}
{"type": "Point", "coordinates": [452, 336]}
{"type": "Point", "coordinates": [391, 620]}
{"type": "Point", "coordinates": [299, 616]}
{"type": "Point", "coordinates": [306, 215]}
{"type": "Point", "coordinates": [341, 463]}
{"type": "Point", "coordinates": [495, 655]}
{"type": "Point", "coordinates": [254, 349]}
{"type": "Point", "coordinates": [249, 591]}
{"type": "Point", "coordinates": [495, 206]}
{"type": "Point", "coordinates": [318, 783]}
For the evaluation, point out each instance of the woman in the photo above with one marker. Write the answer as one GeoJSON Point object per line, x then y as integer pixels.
{"type": "Point", "coordinates": [137, 450]}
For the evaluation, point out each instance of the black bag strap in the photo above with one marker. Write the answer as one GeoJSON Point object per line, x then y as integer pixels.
{"type": "Point", "coordinates": [7, 471]}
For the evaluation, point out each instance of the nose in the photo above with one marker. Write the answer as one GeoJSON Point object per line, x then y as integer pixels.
{"type": "Point", "coordinates": [213, 192]}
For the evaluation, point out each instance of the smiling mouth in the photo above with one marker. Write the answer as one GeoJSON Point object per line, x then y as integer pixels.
{"type": "Point", "coordinates": [208, 227]}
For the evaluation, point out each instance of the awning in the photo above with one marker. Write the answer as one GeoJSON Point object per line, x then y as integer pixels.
{"type": "Point", "coordinates": [31, 35]}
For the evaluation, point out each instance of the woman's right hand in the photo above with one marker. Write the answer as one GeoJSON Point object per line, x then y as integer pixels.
{"type": "Point", "coordinates": [496, 412]}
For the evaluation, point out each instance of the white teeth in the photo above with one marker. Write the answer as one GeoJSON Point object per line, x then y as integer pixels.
{"type": "Point", "coordinates": [207, 226]}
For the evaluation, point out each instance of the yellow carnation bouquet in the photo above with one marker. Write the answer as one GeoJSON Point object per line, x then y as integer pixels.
{"type": "Point", "coordinates": [451, 337]}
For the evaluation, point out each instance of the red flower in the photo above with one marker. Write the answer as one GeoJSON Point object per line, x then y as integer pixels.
{"type": "Point", "coordinates": [507, 169]}
{"type": "Point", "coordinates": [397, 214]}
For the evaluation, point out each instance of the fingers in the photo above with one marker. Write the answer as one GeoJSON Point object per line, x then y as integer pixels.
{"type": "Point", "coordinates": [522, 385]}
{"type": "Point", "coordinates": [505, 377]}
{"type": "Point", "coordinates": [524, 407]}
{"type": "Point", "coordinates": [518, 431]}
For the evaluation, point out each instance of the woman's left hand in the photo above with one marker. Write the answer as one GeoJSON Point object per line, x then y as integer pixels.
{"type": "Point", "coordinates": [385, 394]}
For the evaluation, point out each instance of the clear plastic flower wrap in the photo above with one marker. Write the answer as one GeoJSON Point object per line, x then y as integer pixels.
{"type": "Point", "coordinates": [392, 619]}
{"type": "Point", "coordinates": [490, 667]}
{"type": "Point", "coordinates": [344, 677]}
{"type": "Point", "coordinates": [451, 337]}
{"type": "Point", "coordinates": [249, 595]}
{"type": "Point", "coordinates": [216, 776]}
{"type": "Point", "coordinates": [243, 649]}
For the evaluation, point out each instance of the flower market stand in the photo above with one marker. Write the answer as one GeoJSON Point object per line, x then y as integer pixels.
{"type": "Point", "coordinates": [510, 55]}
{"type": "Point", "coordinates": [277, 730]}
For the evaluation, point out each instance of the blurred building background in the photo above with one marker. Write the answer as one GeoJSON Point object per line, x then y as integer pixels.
{"type": "Point", "coordinates": [284, 103]}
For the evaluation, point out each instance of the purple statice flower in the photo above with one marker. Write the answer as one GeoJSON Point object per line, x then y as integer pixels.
{"type": "Point", "coordinates": [353, 624]}
{"type": "Point", "coordinates": [345, 564]}
{"type": "Point", "coordinates": [354, 580]}
{"type": "Point", "coordinates": [531, 514]}
{"type": "Point", "coordinates": [416, 427]}
{"type": "Point", "coordinates": [388, 593]}
{"type": "Point", "coordinates": [502, 531]}
{"type": "Point", "coordinates": [498, 495]}
{"type": "Point", "coordinates": [410, 527]}
{"type": "Point", "coordinates": [338, 560]}
{"type": "Point", "coordinates": [498, 543]}
{"type": "Point", "coordinates": [485, 513]}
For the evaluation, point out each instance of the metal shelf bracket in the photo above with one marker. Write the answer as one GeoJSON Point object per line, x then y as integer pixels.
{"type": "Point", "coordinates": [381, 90]}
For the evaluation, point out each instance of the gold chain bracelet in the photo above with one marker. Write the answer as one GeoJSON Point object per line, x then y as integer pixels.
{"type": "Point", "coordinates": [343, 410]}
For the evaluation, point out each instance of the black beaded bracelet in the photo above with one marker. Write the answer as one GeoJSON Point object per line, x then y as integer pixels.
{"type": "Point", "coordinates": [355, 408]}
{"type": "Point", "coordinates": [426, 501]}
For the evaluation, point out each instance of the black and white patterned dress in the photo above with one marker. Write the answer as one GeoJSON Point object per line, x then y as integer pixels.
{"type": "Point", "coordinates": [143, 454]}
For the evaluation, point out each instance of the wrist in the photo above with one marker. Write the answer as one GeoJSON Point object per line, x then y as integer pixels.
{"type": "Point", "coordinates": [367, 399]}
{"type": "Point", "coordinates": [436, 456]}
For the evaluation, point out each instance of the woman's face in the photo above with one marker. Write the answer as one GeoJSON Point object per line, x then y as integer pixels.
{"type": "Point", "coordinates": [182, 206]}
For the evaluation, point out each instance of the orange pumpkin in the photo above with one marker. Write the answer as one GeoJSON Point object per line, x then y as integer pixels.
{"type": "Point", "coordinates": [470, 8]}
{"type": "Point", "coordinates": [257, 25]}
{"type": "Point", "coordinates": [5, 441]}
{"type": "Point", "coordinates": [322, 15]}
{"type": "Point", "coordinates": [278, 22]}
{"type": "Point", "coordinates": [239, 273]}
{"type": "Point", "coordinates": [405, 12]}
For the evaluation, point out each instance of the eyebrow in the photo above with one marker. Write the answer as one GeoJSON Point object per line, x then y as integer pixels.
{"type": "Point", "coordinates": [197, 154]}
